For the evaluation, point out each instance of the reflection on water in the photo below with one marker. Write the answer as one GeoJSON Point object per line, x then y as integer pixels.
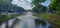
{"type": "Point", "coordinates": [42, 24]}
{"type": "Point", "coordinates": [47, 25]}
{"type": "Point", "coordinates": [28, 21]}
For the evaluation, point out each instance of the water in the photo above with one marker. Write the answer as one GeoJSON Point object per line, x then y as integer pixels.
{"type": "Point", "coordinates": [28, 21]}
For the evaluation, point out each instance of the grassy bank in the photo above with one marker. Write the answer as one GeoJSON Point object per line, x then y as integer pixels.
{"type": "Point", "coordinates": [54, 18]}
{"type": "Point", "coordinates": [7, 17]}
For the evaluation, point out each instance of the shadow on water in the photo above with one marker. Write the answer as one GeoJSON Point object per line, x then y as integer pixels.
{"type": "Point", "coordinates": [42, 24]}
{"type": "Point", "coordinates": [38, 21]}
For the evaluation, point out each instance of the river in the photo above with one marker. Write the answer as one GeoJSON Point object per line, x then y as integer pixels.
{"type": "Point", "coordinates": [28, 21]}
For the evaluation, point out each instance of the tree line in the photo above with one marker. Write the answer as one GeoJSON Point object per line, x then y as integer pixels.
{"type": "Point", "coordinates": [7, 6]}
{"type": "Point", "coordinates": [37, 7]}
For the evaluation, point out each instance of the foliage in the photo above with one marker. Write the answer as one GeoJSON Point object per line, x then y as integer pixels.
{"type": "Point", "coordinates": [6, 5]}
{"type": "Point", "coordinates": [7, 17]}
{"type": "Point", "coordinates": [40, 9]}
{"type": "Point", "coordinates": [37, 7]}
{"type": "Point", "coordinates": [55, 4]}
{"type": "Point", "coordinates": [53, 18]}
{"type": "Point", "coordinates": [18, 9]}
{"type": "Point", "coordinates": [37, 2]}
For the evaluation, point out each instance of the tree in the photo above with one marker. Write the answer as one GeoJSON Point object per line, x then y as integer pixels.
{"type": "Point", "coordinates": [40, 9]}
{"type": "Point", "coordinates": [5, 5]}
{"type": "Point", "coordinates": [18, 9]}
{"type": "Point", "coordinates": [37, 2]}
{"type": "Point", "coordinates": [37, 7]}
{"type": "Point", "coordinates": [55, 4]}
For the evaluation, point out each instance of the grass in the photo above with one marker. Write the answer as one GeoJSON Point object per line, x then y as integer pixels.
{"type": "Point", "coordinates": [54, 18]}
{"type": "Point", "coordinates": [7, 17]}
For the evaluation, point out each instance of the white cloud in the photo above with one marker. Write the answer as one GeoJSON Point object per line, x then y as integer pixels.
{"type": "Point", "coordinates": [29, 0]}
{"type": "Point", "coordinates": [14, 2]}
{"type": "Point", "coordinates": [22, 3]}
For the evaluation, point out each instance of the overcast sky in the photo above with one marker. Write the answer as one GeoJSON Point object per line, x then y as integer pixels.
{"type": "Point", "coordinates": [26, 3]}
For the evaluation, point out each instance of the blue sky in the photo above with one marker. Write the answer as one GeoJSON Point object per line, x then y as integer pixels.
{"type": "Point", "coordinates": [26, 3]}
{"type": "Point", "coordinates": [46, 3]}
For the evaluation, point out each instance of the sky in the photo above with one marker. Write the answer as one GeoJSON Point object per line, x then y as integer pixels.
{"type": "Point", "coordinates": [26, 4]}
{"type": "Point", "coordinates": [46, 3]}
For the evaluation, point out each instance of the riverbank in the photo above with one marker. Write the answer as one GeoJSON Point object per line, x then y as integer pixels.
{"type": "Point", "coordinates": [8, 16]}
{"type": "Point", "coordinates": [54, 18]}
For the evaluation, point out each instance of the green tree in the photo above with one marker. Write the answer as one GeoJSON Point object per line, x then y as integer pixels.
{"type": "Point", "coordinates": [5, 4]}
{"type": "Point", "coordinates": [18, 9]}
{"type": "Point", "coordinates": [39, 9]}
{"type": "Point", "coordinates": [37, 2]}
{"type": "Point", "coordinates": [55, 4]}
